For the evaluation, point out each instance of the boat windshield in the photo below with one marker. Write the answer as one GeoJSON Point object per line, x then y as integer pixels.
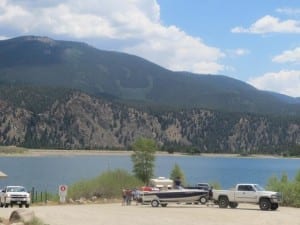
{"type": "Point", "coordinates": [259, 188]}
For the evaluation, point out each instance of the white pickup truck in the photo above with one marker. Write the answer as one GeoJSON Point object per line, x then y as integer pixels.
{"type": "Point", "coordinates": [247, 193]}
{"type": "Point", "coordinates": [11, 195]}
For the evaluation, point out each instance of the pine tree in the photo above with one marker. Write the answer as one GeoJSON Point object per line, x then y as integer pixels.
{"type": "Point", "coordinates": [177, 173]}
{"type": "Point", "coordinates": [143, 158]}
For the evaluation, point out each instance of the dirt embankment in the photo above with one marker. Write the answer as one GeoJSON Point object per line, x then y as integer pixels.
{"type": "Point", "coordinates": [112, 214]}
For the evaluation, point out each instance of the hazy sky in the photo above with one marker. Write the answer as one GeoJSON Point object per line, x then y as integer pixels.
{"type": "Point", "coordinates": [256, 41]}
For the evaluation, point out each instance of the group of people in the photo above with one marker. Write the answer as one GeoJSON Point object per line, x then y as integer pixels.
{"type": "Point", "coordinates": [129, 195]}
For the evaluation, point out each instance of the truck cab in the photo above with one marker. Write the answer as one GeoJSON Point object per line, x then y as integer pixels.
{"type": "Point", "coordinates": [247, 193]}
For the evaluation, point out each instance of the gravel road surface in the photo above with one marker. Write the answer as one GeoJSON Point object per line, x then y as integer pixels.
{"type": "Point", "coordinates": [114, 214]}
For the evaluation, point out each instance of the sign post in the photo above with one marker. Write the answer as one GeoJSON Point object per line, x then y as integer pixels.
{"type": "Point", "coordinates": [62, 191]}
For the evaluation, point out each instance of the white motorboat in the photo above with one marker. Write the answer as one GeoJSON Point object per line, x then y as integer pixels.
{"type": "Point", "coordinates": [163, 197]}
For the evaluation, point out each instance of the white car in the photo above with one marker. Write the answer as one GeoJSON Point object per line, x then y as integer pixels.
{"type": "Point", "coordinates": [14, 195]}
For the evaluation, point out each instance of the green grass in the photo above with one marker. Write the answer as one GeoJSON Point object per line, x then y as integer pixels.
{"type": "Point", "coordinates": [43, 197]}
{"type": "Point", "coordinates": [11, 150]}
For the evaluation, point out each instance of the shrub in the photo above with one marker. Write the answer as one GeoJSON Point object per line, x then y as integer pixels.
{"type": "Point", "coordinates": [290, 189]}
{"type": "Point", "coordinates": [107, 185]}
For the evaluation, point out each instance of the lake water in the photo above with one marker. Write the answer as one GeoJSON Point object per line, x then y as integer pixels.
{"type": "Point", "coordinates": [46, 173]}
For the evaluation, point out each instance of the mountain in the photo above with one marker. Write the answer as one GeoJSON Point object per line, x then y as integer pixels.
{"type": "Point", "coordinates": [76, 120]}
{"type": "Point", "coordinates": [285, 98]}
{"type": "Point", "coordinates": [61, 94]}
{"type": "Point", "coordinates": [44, 62]}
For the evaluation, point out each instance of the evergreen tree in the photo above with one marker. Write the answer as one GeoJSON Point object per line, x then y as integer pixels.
{"type": "Point", "coordinates": [177, 173]}
{"type": "Point", "coordinates": [143, 158]}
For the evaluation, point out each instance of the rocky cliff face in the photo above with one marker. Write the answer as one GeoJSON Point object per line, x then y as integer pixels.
{"type": "Point", "coordinates": [84, 122]}
{"type": "Point", "coordinates": [13, 124]}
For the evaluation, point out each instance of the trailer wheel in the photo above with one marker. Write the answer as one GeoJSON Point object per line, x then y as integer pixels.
{"type": "Point", "coordinates": [154, 203]}
{"type": "Point", "coordinates": [223, 202]}
{"type": "Point", "coordinates": [203, 200]}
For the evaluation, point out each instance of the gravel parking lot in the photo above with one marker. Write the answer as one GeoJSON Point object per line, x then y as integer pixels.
{"type": "Point", "coordinates": [112, 214]}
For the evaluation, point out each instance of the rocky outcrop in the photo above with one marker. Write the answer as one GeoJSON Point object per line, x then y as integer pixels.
{"type": "Point", "coordinates": [13, 123]}
{"type": "Point", "coordinates": [81, 121]}
{"type": "Point", "coordinates": [21, 216]}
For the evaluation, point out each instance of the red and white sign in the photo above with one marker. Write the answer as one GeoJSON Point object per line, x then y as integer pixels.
{"type": "Point", "coordinates": [62, 191]}
{"type": "Point", "coordinates": [62, 188]}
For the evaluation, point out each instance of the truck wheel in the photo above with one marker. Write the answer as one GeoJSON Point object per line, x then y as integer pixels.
{"type": "Point", "coordinates": [233, 205]}
{"type": "Point", "coordinates": [1, 204]}
{"type": "Point", "coordinates": [20, 205]}
{"type": "Point", "coordinates": [203, 200]}
{"type": "Point", "coordinates": [264, 204]}
{"type": "Point", "coordinates": [223, 202]}
{"type": "Point", "coordinates": [6, 205]}
{"type": "Point", "coordinates": [155, 203]}
{"type": "Point", "coordinates": [274, 206]}
{"type": "Point", "coordinates": [27, 205]}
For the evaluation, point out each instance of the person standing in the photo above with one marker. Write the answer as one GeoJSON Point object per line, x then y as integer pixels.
{"type": "Point", "coordinates": [136, 196]}
{"type": "Point", "coordinates": [128, 196]}
{"type": "Point", "coordinates": [123, 196]}
{"type": "Point", "coordinates": [177, 183]}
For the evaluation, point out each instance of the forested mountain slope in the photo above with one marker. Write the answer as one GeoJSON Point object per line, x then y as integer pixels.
{"type": "Point", "coordinates": [41, 61]}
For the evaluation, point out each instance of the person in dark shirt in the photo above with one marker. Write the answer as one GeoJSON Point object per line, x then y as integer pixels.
{"type": "Point", "coordinates": [177, 183]}
{"type": "Point", "coordinates": [210, 193]}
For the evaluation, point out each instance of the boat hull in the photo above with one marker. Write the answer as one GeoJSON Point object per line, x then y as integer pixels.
{"type": "Point", "coordinates": [182, 195]}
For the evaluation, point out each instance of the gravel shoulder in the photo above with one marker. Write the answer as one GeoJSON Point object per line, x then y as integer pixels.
{"type": "Point", "coordinates": [112, 214]}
